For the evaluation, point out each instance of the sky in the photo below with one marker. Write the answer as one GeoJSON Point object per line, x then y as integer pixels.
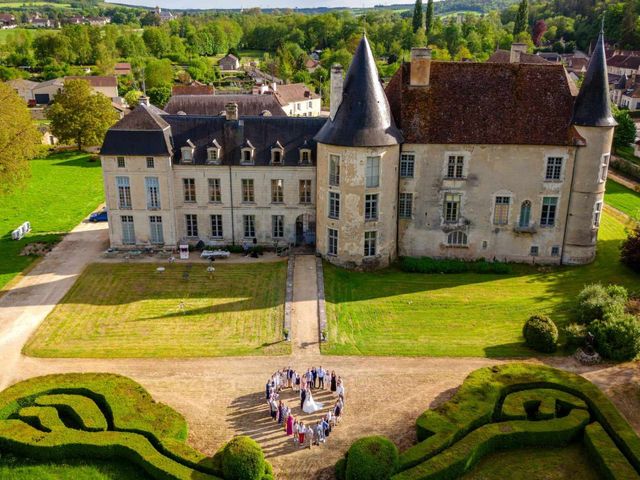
{"type": "Point", "coordinates": [215, 4]}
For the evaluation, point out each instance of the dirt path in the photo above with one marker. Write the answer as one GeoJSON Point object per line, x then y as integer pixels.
{"type": "Point", "coordinates": [622, 180]}
{"type": "Point", "coordinates": [304, 319]}
{"type": "Point", "coordinates": [30, 300]}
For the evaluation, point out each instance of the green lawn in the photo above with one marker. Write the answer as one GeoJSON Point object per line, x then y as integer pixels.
{"type": "Point", "coordinates": [395, 313]}
{"type": "Point", "coordinates": [12, 468]}
{"type": "Point", "coordinates": [62, 190]}
{"type": "Point", "coordinates": [536, 464]}
{"type": "Point", "coordinates": [131, 310]}
{"type": "Point", "coordinates": [623, 199]}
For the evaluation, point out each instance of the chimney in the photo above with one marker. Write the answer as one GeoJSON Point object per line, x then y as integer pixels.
{"type": "Point", "coordinates": [336, 90]}
{"type": "Point", "coordinates": [517, 49]}
{"type": "Point", "coordinates": [420, 67]}
{"type": "Point", "coordinates": [231, 111]}
{"type": "Point", "coordinates": [274, 86]}
{"type": "Point", "coordinates": [143, 100]}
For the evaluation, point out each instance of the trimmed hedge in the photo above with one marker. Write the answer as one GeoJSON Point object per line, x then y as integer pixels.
{"type": "Point", "coordinates": [81, 411]}
{"type": "Point", "coordinates": [610, 462]}
{"type": "Point", "coordinates": [371, 458]}
{"type": "Point", "coordinates": [538, 404]}
{"type": "Point", "coordinates": [243, 459]}
{"type": "Point", "coordinates": [436, 265]}
{"type": "Point", "coordinates": [540, 333]}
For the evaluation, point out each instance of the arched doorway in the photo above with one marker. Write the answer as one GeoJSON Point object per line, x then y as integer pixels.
{"type": "Point", "coordinates": [306, 229]}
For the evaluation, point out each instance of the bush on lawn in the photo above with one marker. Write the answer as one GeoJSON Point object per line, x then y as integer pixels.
{"type": "Point", "coordinates": [243, 459]}
{"type": "Point", "coordinates": [630, 250]}
{"type": "Point", "coordinates": [617, 338]}
{"type": "Point", "coordinates": [434, 265]}
{"type": "Point", "coordinates": [595, 302]}
{"type": "Point", "coordinates": [574, 335]}
{"type": "Point", "coordinates": [540, 333]}
{"type": "Point", "coordinates": [371, 458]}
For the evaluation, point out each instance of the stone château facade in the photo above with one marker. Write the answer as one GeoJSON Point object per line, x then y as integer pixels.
{"type": "Point", "coordinates": [453, 159]}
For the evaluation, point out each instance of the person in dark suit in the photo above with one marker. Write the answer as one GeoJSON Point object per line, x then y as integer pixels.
{"type": "Point", "coordinates": [303, 397]}
{"type": "Point", "coordinates": [314, 372]}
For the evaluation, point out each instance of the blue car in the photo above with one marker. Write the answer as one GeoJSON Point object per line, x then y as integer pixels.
{"type": "Point", "coordinates": [100, 216]}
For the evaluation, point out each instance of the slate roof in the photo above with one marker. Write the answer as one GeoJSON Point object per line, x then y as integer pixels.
{"type": "Point", "coordinates": [631, 62]}
{"type": "Point", "coordinates": [364, 117]}
{"type": "Point", "coordinates": [485, 103]}
{"type": "Point", "coordinates": [248, 105]}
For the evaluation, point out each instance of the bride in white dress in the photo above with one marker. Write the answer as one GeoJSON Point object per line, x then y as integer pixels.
{"type": "Point", "coordinates": [309, 405]}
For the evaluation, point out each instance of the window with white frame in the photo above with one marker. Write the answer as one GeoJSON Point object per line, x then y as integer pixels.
{"type": "Point", "coordinates": [277, 226]}
{"type": "Point", "coordinates": [277, 154]}
{"type": "Point", "coordinates": [334, 170]}
{"type": "Point", "coordinates": [128, 231]}
{"type": "Point", "coordinates": [156, 235]}
{"type": "Point", "coordinates": [213, 152]}
{"type": "Point", "coordinates": [191, 223]}
{"type": "Point", "coordinates": [304, 191]}
{"type": "Point", "coordinates": [405, 207]}
{"type": "Point", "coordinates": [277, 190]}
{"type": "Point", "coordinates": [332, 241]}
{"type": "Point", "coordinates": [247, 156]}
{"type": "Point", "coordinates": [334, 205]}
{"type": "Point", "coordinates": [455, 166]}
{"type": "Point", "coordinates": [124, 192]}
{"type": "Point", "coordinates": [187, 154]}
{"type": "Point", "coordinates": [305, 156]}
{"type": "Point", "coordinates": [407, 165]}
{"type": "Point", "coordinates": [553, 171]}
{"type": "Point", "coordinates": [216, 226]}
{"type": "Point", "coordinates": [215, 190]}
{"type": "Point", "coordinates": [189, 189]}
{"type": "Point", "coordinates": [121, 163]}
{"type": "Point", "coordinates": [150, 162]}
{"type": "Point", "coordinates": [249, 224]}
{"type": "Point", "coordinates": [501, 210]}
{"type": "Point", "coordinates": [370, 243]}
{"type": "Point", "coordinates": [248, 194]}
{"type": "Point", "coordinates": [371, 207]}
{"type": "Point", "coordinates": [597, 213]}
{"type": "Point", "coordinates": [452, 203]}
{"type": "Point", "coordinates": [525, 214]}
{"type": "Point", "coordinates": [152, 186]}
{"type": "Point", "coordinates": [457, 239]}
{"type": "Point", "coordinates": [549, 209]}
{"type": "Point", "coordinates": [604, 167]}
{"type": "Point", "coordinates": [372, 172]}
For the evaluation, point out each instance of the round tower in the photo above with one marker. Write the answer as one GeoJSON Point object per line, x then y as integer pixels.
{"type": "Point", "coordinates": [594, 123]}
{"type": "Point", "coordinates": [357, 169]}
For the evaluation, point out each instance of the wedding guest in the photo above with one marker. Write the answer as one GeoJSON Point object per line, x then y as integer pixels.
{"type": "Point", "coordinates": [290, 421]}
{"type": "Point", "coordinates": [310, 435]}
{"type": "Point", "coordinates": [303, 397]}
{"type": "Point", "coordinates": [302, 430]}
{"type": "Point", "coordinates": [321, 378]}
{"type": "Point", "coordinates": [319, 433]}
{"type": "Point", "coordinates": [326, 427]}
{"type": "Point", "coordinates": [333, 381]}
{"type": "Point", "coordinates": [296, 431]}
{"type": "Point", "coordinates": [340, 389]}
{"type": "Point", "coordinates": [314, 374]}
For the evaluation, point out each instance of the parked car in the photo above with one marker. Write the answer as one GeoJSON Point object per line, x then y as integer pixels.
{"type": "Point", "coordinates": [100, 216]}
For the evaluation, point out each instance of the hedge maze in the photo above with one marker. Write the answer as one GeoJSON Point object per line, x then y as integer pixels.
{"type": "Point", "coordinates": [519, 405]}
{"type": "Point", "coordinates": [100, 416]}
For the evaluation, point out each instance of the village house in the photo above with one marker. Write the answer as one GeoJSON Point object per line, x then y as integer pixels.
{"type": "Point", "coordinates": [44, 92]}
{"type": "Point", "coordinates": [165, 15]}
{"type": "Point", "coordinates": [24, 88]}
{"type": "Point", "coordinates": [296, 99]}
{"type": "Point", "coordinates": [193, 88]}
{"type": "Point", "coordinates": [515, 173]}
{"type": "Point", "coordinates": [122, 68]}
{"type": "Point", "coordinates": [229, 63]}
{"type": "Point", "coordinates": [40, 22]}
{"type": "Point", "coordinates": [7, 21]}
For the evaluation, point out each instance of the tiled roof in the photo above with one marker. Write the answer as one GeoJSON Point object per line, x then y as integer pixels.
{"type": "Point", "coordinates": [631, 62]}
{"type": "Point", "coordinates": [504, 56]}
{"type": "Point", "coordinates": [95, 81]}
{"type": "Point", "coordinates": [192, 90]}
{"type": "Point", "coordinates": [215, 104]}
{"type": "Point", "coordinates": [294, 92]}
{"type": "Point", "coordinates": [485, 103]}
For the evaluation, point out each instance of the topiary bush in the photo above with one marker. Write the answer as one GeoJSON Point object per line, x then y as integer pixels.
{"type": "Point", "coordinates": [596, 301]}
{"type": "Point", "coordinates": [243, 459]}
{"type": "Point", "coordinates": [540, 333]}
{"type": "Point", "coordinates": [630, 250]}
{"type": "Point", "coordinates": [372, 458]}
{"type": "Point", "coordinates": [617, 338]}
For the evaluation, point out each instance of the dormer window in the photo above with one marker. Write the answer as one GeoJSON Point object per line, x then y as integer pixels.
{"type": "Point", "coordinates": [305, 156]}
{"type": "Point", "coordinates": [187, 152]}
{"type": "Point", "coordinates": [213, 152]}
{"type": "Point", "coordinates": [277, 154]}
{"type": "Point", "coordinates": [247, 153]}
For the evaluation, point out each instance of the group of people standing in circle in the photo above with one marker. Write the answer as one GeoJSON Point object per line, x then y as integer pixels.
{"type": "Point", "coordinates": [318, 379]}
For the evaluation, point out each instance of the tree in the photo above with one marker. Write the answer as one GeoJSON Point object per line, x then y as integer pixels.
{"type": "Point", "coordinates": [429, 17]}
{"type": "Point", "coordinates": [625, 132]}
{"type": "Point", "coordinates": [417, 16]}
{"type": "Point", "coordinates": [159, 96]}
{"type": "Point", "coordinates": [629, 27]}
{"type": "Point", "coordinates": [522, 18]}
{"type": "Point", "coordinates": [630, 250]}
{"type": "Point", "coordinates": [158, 73]}
{"type": "Point", "coordinates": [19, 139]}
{"type": "Point", "coordinates": [539, 28]}
{"type": "Point", "coordinates": [80, 116]}
{"type": "Point", "coordinates": [132, 97]}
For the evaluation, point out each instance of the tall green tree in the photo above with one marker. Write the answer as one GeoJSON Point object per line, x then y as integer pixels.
{"type": "Point", "coordinates": [80, 116]}
{"type": "Point", "coordinates": [417, 16]}
{"type": "Point", "coordinates": [19, 140]}
{"type": "Point", "coordinates": [429, 17]}
{"type": "Point", "coordinates": [522, 18]}
{"type": "Point", "coordinates": [625, 133]}
{"type": "Point", "coordinates": [629, 27]}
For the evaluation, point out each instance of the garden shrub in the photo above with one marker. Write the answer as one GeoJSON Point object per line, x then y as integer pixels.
{"type": "Point", "coordinates": [540, 333]}
{"type": "Point", "coordinates": [341, 469]}
{"type": "Point", "coordinates": [610, 462]}
{"type": "Point", "coordinates": [630, 250]}
{"type": "Point", "coordinates": [81, 411]}
{"type": "Point", "coordinates": [617, 338]}
{"type": "Point", "coordinates": [435, 265]}
{"type": "Point", "coordinates": [574, 334]}
{"type": "Point", "coordinates": [371, 458]}
{"type": "Point", "coordinates": [597, 301]}
{"type": "Point", "coordinates": [243, 459]}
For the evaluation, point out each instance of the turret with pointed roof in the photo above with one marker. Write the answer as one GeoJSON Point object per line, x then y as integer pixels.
{"type": "Point", "coordinates": [364, 117]}
{"type": "Point", "coordinates": [593, 107]}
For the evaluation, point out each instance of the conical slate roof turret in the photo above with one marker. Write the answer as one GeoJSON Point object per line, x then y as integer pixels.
{"type": "Point", "coordinates": [363, 118]}
{"type": "Point", "coordinates": [592, 107]}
